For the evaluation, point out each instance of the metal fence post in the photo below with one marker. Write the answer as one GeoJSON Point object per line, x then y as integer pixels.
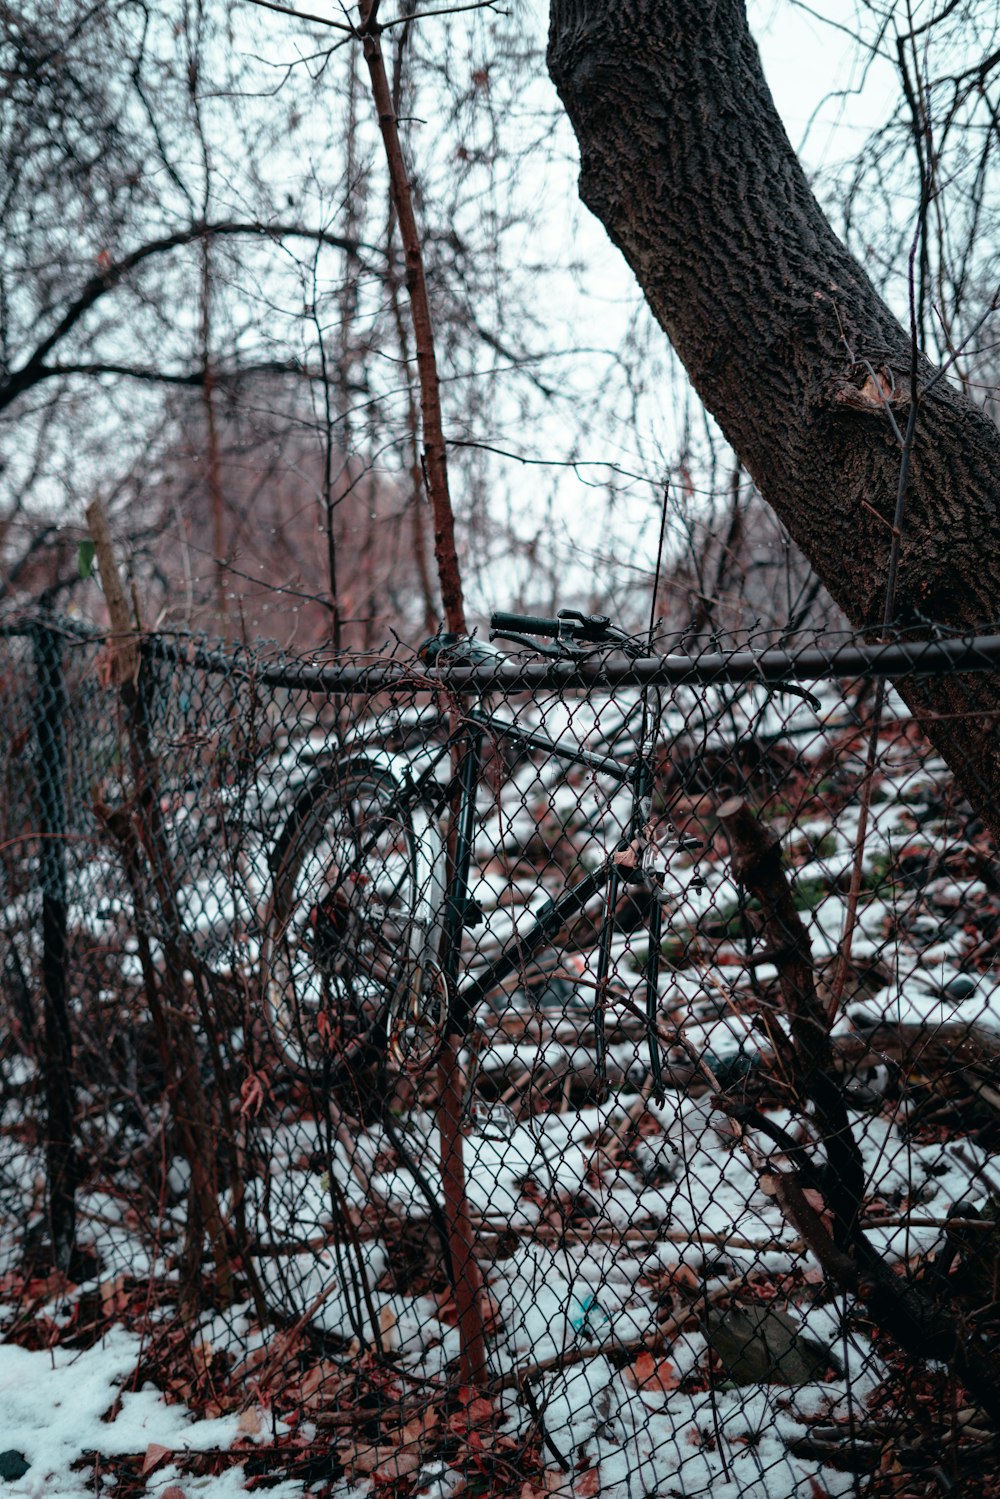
{"type": "Point", "coordinates": [57, 1057]}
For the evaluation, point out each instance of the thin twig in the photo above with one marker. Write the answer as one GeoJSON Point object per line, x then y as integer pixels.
{"type": "Point", "coordinates": [304, 15]}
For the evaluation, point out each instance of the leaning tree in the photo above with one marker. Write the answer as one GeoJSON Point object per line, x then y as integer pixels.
{"type": "Point", "coordinates": [883, 471]}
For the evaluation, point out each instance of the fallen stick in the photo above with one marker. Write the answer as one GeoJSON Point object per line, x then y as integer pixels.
{"type": "Point", "coordinates": [652, 1342]}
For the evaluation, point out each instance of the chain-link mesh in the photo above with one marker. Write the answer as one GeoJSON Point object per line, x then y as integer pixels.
{"type": "Point", "coordinates": [587, 1087]}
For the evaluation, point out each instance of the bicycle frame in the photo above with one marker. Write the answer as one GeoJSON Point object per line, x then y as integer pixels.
{"type": "Point", "coordinates": [463, 998]}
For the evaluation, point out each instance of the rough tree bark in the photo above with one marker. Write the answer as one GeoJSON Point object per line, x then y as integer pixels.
{"type": "Point", "coordinates": [686, 163]}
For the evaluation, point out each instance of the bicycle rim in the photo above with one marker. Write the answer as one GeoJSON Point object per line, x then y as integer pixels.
{"type": "Point", "coordinates": [356, 903]}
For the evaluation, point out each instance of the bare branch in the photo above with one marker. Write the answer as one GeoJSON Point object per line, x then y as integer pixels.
{"type": "Point", "coordinates": [304, 15]}
{"type": "Point", "coordinates": [447, 10]}
{"type": "Point", "coordinates": [33, 368]}
{"type": "Point", "coordinates": [193, 379]}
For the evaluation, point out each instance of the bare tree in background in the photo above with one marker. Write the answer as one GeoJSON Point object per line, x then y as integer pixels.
{"type": "Point", "coordinates": [204, 315]}
{"type": "Point", "coordinates": [236, 269]}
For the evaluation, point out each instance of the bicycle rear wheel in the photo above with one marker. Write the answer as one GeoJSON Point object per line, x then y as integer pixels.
{"type": "Point", "coordinates": [358, 886]}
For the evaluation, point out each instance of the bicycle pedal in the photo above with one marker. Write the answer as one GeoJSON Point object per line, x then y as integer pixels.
{"type": "Point", "coordinates": [473, 914]}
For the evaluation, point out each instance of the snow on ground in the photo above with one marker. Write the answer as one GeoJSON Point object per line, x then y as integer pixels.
{"type": "Point", "coordinates": [59, 1408]}
{"type": "Point", "coordinates": [686, 1185]}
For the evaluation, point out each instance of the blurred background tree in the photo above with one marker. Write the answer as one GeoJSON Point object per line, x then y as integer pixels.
{"type": "Point", "coordinates": [202, 316]}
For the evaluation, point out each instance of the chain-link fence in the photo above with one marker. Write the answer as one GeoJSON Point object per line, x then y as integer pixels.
{"type": "Point", "coordinates": [554, 1078]}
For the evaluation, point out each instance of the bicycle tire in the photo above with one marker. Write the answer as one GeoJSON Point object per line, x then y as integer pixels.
{"type": "Point", "coordinates": [358, 881]}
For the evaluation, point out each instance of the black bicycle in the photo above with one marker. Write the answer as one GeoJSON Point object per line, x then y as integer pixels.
{"type": "Point", "coordinates": [370, 894]}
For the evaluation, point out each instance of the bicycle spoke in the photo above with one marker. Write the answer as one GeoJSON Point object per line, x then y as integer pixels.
{"type": "Point", "coordinates": [347, 898]}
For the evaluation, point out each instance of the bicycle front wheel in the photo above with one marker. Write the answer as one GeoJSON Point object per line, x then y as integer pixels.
{"type": "Point", "coordinates": [358, 885]}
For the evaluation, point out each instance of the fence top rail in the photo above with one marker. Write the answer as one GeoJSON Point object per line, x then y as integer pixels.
{"type": "Point", "coordinates": [895, 659]}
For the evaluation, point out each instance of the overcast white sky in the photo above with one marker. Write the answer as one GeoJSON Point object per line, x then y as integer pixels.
{"type": "Point", "coordinates": [831, 94]}
{"type": "Point", "coordinates": [829, 91]}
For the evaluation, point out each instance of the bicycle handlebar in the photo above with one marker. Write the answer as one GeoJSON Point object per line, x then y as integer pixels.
{"type": "Point", "coordinates": [570, 624]}
{"type": "Point", "coordinates": [525, 624]}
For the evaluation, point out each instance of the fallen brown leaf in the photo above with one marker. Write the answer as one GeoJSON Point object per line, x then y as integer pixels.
{"type": "Point", "coordinates": [652, 1374]}
{"type": "Point", "coordinates": [557, 1482]}
{"type": "Point", "coordinates": [154, 1456]}
{"type": "Point", "coordinates": [364, 1459]}
{"type": "Point", "coordinates": [400, 1462]}
{"type": "Point", "coordinates": [113, 1297]}
{"type": "Point", "coordinates": [249, 1422]}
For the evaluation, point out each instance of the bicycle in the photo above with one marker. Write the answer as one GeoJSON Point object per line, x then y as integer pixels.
{"type": "Point", "coordinates": [369, 903]}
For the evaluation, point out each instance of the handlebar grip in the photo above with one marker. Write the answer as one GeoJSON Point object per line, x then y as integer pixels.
{"type": "Point", "coordinates": [525, 624]}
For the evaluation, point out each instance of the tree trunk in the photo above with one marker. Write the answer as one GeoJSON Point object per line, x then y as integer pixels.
{"type": "Point", "coordinates": [685, 161]}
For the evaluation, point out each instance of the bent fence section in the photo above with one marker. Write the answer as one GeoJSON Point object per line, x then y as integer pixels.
{"type": "Point", "coordinates": [657, 1157]}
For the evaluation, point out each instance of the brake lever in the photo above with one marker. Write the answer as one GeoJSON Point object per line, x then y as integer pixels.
{"type": "Point", "coordinates": [564, 650]}
{"type": "Point", "coordinates": [526, 643]}
{"type": "Point", "coordinates": [592, 628]}
{"type": "Point", "coordinates": [596, 630]}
